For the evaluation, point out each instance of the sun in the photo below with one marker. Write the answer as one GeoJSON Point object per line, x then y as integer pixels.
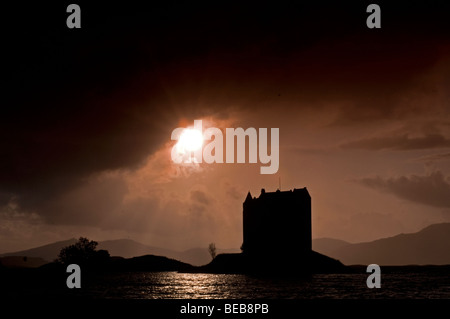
{"type": "Point", "coordinates": [190, 140]}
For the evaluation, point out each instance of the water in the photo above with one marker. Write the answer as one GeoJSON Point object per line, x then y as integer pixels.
{"type": "Point", "coordinates": [170, 285]}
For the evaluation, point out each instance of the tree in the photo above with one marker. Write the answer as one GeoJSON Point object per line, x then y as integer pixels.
{"type": "Point", "coordinates": [82, 252]}
{"type": "Point", "coordinates": [212, 250]}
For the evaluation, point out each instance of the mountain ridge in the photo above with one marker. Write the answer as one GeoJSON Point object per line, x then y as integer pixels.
{"type": "Point", "coordinates": [127, 248]}
{"type": "Point", "coordinates": [431, 245]}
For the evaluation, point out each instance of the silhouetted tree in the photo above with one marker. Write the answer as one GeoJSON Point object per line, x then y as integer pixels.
{"type": "Point", "coordinates": [212, 250]}
{"type": "Point", "coordinates": [83, 252]}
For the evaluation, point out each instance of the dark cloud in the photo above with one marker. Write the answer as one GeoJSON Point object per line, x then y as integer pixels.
{"type": "Point", "coordinates": [433, 190]}
{"type": "Point", "coordinates": [399, 143]}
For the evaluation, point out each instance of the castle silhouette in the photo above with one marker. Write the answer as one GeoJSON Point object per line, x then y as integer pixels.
{"type": "Point", "coordinates": [277, 224]}
{"type": "Point", "coordinates": [276, 239]}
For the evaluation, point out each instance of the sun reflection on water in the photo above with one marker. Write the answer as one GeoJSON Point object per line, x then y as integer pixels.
{"type": "Point", "coordinates": [173, 285]}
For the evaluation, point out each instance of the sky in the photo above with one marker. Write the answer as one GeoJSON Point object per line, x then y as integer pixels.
{"type": "Point", "coordinates": [87, 116]}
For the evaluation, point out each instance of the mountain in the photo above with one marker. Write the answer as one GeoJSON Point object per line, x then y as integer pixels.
{"type": "Point", "coordinates": [430, 246]}
{"type": "Point", "coordinates": [328, 246]}
{"type": "Point", "coordinates": [126, 248]}
{"type": "Point", "coordinates": [47, 252]}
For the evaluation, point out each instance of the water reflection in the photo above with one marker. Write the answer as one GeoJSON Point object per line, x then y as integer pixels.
{"type": "Point", "coordinates": [169, 285]}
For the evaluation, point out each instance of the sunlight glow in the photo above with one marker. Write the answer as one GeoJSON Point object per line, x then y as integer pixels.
{"type": "Point", "coordinates": [190, 140]}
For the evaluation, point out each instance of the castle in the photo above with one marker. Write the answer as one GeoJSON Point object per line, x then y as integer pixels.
{"type": "Point", "coordinates": [277, 224]}
{"type": "Point", "coordinates": [277, 238]}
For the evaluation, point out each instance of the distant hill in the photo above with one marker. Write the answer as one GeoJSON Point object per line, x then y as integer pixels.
{"type": "Point", "coordinates": [47, 252]}
{"type": "Point", "coordinates": [430, 246]}
{"type": "Point", "coordinates": [126, 248]}
{"type": "Point", "coordinates": [149, 263]}
{"type": "Point", "coordinates": [328, 246]}
{"type": "Point", "coordinates": [129, 248]}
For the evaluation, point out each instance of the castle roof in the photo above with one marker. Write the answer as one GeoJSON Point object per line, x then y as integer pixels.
{"type": "Point", "coordinates": [279, 194]}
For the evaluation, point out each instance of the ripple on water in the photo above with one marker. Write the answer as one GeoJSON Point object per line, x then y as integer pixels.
{"type": "Point", "coordinates": [169, 285]}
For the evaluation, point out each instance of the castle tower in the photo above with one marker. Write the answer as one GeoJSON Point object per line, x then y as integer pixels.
{"type": "Point", "coordinates": [277, 224]}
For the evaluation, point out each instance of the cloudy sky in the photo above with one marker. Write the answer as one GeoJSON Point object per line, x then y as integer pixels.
{"type": "Point", "coordinates": [85, 126]}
